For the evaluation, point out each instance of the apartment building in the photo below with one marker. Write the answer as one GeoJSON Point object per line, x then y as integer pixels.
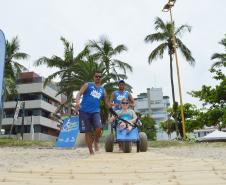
{"type": "Point", "coordinates": [154, 104]}
{"type": "Point", "coordinates": [40, 102]}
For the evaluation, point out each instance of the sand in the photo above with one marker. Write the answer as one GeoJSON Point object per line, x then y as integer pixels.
{"type": "Point", "coordinates": [196, 165]}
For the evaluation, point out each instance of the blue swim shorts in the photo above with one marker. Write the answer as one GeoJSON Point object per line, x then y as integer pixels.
{"type": "Point", "coordinates": [88, 122]}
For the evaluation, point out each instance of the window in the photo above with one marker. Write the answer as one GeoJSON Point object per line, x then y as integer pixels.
{"type": "Point", "coordinates": [45, 114]}
{"type": "Point", "coordinates": [157, 101]}
{"type": "Point", "coordinates": [30, 96]}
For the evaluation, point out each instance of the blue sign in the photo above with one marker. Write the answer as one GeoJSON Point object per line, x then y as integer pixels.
{"type": "Point", "coordinates": [68, 133]}
{"type": "Point", "coordinates": [2, 66]}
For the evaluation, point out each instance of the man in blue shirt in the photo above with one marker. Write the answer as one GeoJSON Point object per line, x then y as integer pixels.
{"type": "Point", "coordinates": [89, 114]}
{"type": "Point", "coordinates": [119, 94]}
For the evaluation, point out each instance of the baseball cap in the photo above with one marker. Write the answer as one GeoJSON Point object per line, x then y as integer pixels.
{"type": "Point", "coordinates": [121, 81]}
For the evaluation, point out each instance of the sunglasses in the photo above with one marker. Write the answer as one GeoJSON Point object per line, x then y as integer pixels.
{"type": "Point", "coordinates": [98, 76]}
{"type": "Point", "coordinates": [125, 103]}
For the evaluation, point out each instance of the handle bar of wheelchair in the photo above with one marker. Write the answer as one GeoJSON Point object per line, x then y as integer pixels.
{"type": "Point", "coordinates": [125, 121]}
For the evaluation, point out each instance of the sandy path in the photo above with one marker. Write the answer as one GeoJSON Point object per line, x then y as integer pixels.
{"type": "Point", "coordinates": [157, 166]}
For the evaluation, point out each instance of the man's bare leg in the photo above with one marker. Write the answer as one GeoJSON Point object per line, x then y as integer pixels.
{"type": "Point", "coordinates": [120, 146]}
{"type": "Point", "coordinates": [97, 135]}
{"type": "Point", "coordinates": [89, 141]}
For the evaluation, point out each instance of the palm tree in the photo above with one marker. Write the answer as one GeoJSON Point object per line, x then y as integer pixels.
{"type": "Point", "coordinates": [62, 64]}
{"type": "Point", "coordinates": [12, 67]}
{"type": "Point", "coordinates": [221, 57]}
{"type": "Point", "coordinates": [105, 53]}
{"type": "Point", "coordinates": [164, 35]}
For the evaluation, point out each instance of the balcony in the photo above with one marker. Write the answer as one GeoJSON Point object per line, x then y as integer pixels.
{"type": "Point", "coordinates": [157, 106]}
{"type": "Point", "coordinates": [36, 120]}
{"type": "Point", "coordinates": [32, 104]}
{"type": "Point", "coordinates": [38, 87]}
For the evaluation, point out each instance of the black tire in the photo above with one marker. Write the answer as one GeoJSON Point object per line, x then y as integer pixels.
{"type": "Point", "coordinates": [143, 142]}
{"type": "Point", "coordinates": [127, 146]}
{"type": "Point", "coordinates": [138, 146]}
{"type": "Point", "coordinates": [109, 143]}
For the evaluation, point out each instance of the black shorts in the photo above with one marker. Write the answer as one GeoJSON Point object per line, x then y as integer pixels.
{"type": "Point", "coordinates": [88, 122]}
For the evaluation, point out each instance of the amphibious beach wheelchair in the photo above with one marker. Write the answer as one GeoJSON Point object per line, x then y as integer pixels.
{"type": "Point", "coordinates": [125, 137]}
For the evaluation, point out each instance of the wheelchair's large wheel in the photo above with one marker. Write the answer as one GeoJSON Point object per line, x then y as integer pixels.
{"type": "Point", "coordinates": [109, 143]}
{"type": "Point", "coordinates": [143, 142]}
{"type": "Point", "coordinates": [127, 146]}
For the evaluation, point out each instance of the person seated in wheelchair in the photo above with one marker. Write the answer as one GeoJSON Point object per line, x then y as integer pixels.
{"type": "Point", "coordinates": [124, 113]}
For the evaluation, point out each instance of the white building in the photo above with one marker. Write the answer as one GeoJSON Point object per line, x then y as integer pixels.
{"type": "Point", "coordinates": [154, 104]}
{"type": "Point", "coordinates": [205, 131]}
{"type": "Point", "coordinates": [40, 102]}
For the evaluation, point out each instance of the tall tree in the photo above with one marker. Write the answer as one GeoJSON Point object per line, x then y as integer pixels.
{"type": "Point", "coordinates": [192, 117]}
{"type": "Point", "coordinates": [164, 35]}
{"type": "Point", "coordinates": [12, 67]}
{"type": "Point", "coordinates": [214, 98]}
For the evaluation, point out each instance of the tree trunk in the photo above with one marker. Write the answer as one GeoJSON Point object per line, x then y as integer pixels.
{"type": "Point", "coordinates": [173, 94]}
{"type": "Point", "coordinates": [171, 78]}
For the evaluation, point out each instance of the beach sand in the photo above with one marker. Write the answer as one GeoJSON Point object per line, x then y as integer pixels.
{"type": "Point", "coordinates": [187, 165]}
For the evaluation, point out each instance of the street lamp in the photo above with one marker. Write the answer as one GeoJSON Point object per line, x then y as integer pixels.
{"type": "Point", "coordinates": [167, 8]}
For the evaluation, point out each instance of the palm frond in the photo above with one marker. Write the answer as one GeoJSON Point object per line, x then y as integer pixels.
{"type": "Point", "coordinates": [94, 45]}
{"type": "Point", "coordinates": [218, 64]}
{"type": "Point", "coordinates": [19, 56]}
{"type": "Point", "coordinates": [120, 48]}
{"type": "Point", "coordinates": [20, 67]}
{"type": "Point", "coordinates": [179, 31]}
{"type": "Point", "coordinates": [54, 61]}
{"type": "Point", "coordinates": [84, 53]}
{"type": "Point", "coordinates": [219, 56]}
{"type": "Point", "coordinates": [157, 52]}
{"type": "Point", "coordinates": [159, 24]}
{"type": "Point", "coordinates": [155, 37]}
{"type": "Point", "coordinates": [122, 65]}
{"type": "Point", "coordinates": [52, 76]}
{"type": "Point", "coordinates": [185, 52]}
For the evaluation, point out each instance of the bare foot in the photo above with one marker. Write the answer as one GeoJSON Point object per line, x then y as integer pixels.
{"type": "Point", "coordinates": [96, 146]}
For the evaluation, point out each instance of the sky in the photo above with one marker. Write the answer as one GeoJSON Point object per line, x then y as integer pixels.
{"type": "Point", "coordinates": [40, 24]}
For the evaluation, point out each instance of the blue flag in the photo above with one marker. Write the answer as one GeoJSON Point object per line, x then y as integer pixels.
{"type": "Point", "coordinates": [2, 66]}
{"type": "Point", "coordinates": [68, 133]}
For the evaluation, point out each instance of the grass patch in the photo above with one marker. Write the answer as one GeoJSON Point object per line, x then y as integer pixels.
{"type": "Point", "coordinates": [7, 142]}
{"type": "Point", "coordinates": [164, 144]}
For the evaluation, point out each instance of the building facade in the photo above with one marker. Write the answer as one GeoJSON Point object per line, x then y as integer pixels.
{"type": "Point", "coordinates": [40, 103]}
{"type": "Point", "coordinates": [153, 103]}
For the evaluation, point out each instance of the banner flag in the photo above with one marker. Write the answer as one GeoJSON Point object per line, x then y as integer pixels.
{"type": "Point", "coordinates": [68, 133]}
{"type": "Point", "coordinates": [2, 66]}
{"type": "Point", "coordinates": [17, 109]}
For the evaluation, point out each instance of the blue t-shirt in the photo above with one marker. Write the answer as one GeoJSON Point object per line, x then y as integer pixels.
{"type": "Point", "coordinates": [118, 96]}
{"type": "Point", "coordinates": [128, 115]}
{"type": "Point", "coordinates": [91, 98]}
